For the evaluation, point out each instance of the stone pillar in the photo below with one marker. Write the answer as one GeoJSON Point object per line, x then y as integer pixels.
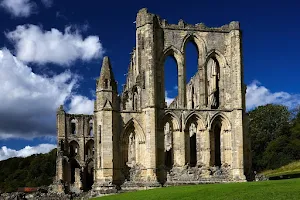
{"type": "Point", "coordinates": [151, 144]}
{"type": "Point", "coordinates": [200, 146]}
{"type": "Point", "coordinates": [178, 148]}
{"type": "Point", "coordinates": [181, 84]}
{"type": "Point", "coordinates": [237, 147]}
{"type": "Point", "coordinates": [77, 183]}
{"type": "Point", "coordinates": [206, 148]}
{"type": "Point", "coordinates": [59, 167]}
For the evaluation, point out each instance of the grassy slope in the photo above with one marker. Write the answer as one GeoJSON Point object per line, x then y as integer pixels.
{"type": "Point", "coordinates": [267, 190]}
{"type": "Point", "coordinates": [292, 168]}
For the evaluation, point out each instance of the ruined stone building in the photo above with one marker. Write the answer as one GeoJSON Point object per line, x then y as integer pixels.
{"type": "Point", "coordinates": [135, 139]}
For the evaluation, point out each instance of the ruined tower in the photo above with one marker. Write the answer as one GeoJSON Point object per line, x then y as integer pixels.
{"type": "Point", "coordinates": [138, 139]}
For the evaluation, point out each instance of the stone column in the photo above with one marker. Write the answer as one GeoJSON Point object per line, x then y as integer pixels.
{"type": "Point", "coordinates": [77, 183]}
{"type": "Point", "coordinates": [200, 140]}
{"type": "Point", "coordinates": [181, 84]}
{"type": "Point", "coordinates": [238, 147]}
{"type": "Point", "coordinates": [178, 148]}
{"type": "Point", "coordinates": [151, 144]}
{"type": "Point", "coordinates": [187, 146]}
{"type": "Point", "coordinates": [206, 148]}
{"type": "Point", "coordinates": [59, 167]}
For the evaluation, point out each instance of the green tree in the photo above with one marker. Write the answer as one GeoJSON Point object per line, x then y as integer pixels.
{"type": "Point", "coordinates": [266, 123]}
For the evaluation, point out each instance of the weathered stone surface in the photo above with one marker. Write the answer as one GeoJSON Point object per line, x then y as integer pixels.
{"type": "Point", "coordinates": [134, 140]}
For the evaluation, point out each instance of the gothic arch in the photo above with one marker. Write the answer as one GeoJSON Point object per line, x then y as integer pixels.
{"type": "Point", "coordinates": [90, 130]}
{"type": "Point", "coordinates": [73, 126]}
{"type": "Point", "coordinates": [214, 53]}
{"type": "Point", "coordinates": [199, 42]}
{"type": "Point", "coordinates": [220, 140]}
{"type": "Point", "coordinates": [193, 128]}
{"type": "Point", "coordinates": [223, 119]}
{"type": "Point", "coordinates": [199, 120]}
{"type": "Point", "coordinates": [171, 51]}
{"type": "Point", "coordinates": [132, 123]}
{"type": "Point", "coordinates": [220, 78]}
{"type": "Point", "coordinates": [74, 148]}
{"type": "Point", "coordinates": [89, 148]}
{"type": "Point", "coordinates": [175, 120]}
{"type": "Point", "coordinates": [179, 59]}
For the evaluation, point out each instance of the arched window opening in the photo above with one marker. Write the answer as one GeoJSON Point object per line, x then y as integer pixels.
{"type": "Point", "coordinates": [106, 83]}
{"type": "Point", "coordinates": [62, 145]}
{"type": "Point", "coordinates": [74, 148]}
{"type": "Point", "coordinates": [90, 130]}
{"type": "Point", "coordinates": [73, 126]}
{"type": "Point", "coordinates": [170, 80]}
{"type": "Point", "coordinates": [191, 59]}
{"type": "Point", "coordinates": [89, 172]}
{"type": "Point", "coordinates": [131, 150]}
{"type": "Point", "coordinates": [75, 171]}
{"type": "Point", "coordinates": [213, 79]}
{"type": "Point", "coordinates": [168, 133]}
{"type": "Point", "coordinates": [135, 102]}
{"type": "Point", "coordinates": [193, 143]}
{"type": "Point", "coordinates": [215, 145]}
{"type": "Point", "coordinates": [89, 149]}
{"type": "Point", "coordinates": [129, 153]}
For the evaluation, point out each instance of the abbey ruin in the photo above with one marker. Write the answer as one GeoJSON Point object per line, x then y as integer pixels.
{"type": "Point", "coordinates": [134, 139]}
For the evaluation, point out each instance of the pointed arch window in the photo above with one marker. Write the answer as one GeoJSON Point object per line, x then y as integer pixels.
{"type": "Point", "coordinates": [213, 79]}
{"type": "Point", "coordinates": [73, 127]}
{"type": "Point", "coordinates": [106, 83]}
{"type": "Point", "coordinates": [90, 130]}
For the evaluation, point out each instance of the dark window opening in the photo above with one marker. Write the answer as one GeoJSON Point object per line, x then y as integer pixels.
{"type": "Point", "coordinates": [73, 128]}
{"type": "Point", "coordinates": [105, 83]}
{"type": "Point", "coordinates": [193, 103]}
{"type": "Point", "coordinates": [193, 151]}
{"type": "Point", "coordinates": [169, 159]}
{"type": "Point", "coordinates": [217, 146]}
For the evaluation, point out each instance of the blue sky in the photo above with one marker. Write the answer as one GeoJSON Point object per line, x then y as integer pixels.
{"type": "Point", "coordinates": [37, 78]}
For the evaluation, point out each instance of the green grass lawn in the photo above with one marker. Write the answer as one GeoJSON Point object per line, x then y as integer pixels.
{"type": "Point", "coordinates": [292, 168]}
{"type": "Point", "coordinates": [266, 190]}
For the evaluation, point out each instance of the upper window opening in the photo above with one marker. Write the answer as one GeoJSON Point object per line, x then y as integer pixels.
{"type": "Point", "coordinates": [191, 60]}
{"type": "Point", "coordinates": [171, 80]}
{"type": "Point", "coordinates": [105, 83]}
{"type": "Point", "coordinates": [73, 126]}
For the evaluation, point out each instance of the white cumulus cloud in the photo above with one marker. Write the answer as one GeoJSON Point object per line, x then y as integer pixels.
{"type": "Point", "coordinates": [81, 105]}
{"type": "Point", "coordinates": [259, 95]}
{"type": "Point", "coordinates": [168, 99]}
{"type": "Point", "coordinates": [18, 8]}
{"type": "Point", "coordinates": [29, 101]}
{"type": "Point", "coordinates": [22, 8]}
{"type": "Point", "coordinates": [33, 44]}
{"type": "Point", "coordinates": [6, 153]}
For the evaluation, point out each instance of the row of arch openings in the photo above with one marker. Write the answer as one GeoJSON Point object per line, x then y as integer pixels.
{"type": "Point", "coordinates": [174, 89]}
{"type": "Point", "coordinates": [74, 127]}
{"type": "Point", "coordinates": [209, 148]}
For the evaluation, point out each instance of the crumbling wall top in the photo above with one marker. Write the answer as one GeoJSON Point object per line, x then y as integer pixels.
{"type": "Point", "coordinates": [144, 17]}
